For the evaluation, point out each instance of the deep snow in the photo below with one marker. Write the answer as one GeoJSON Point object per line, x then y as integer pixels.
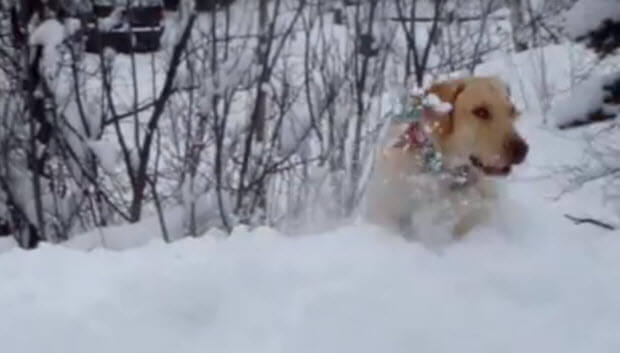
{"type": "Point", "coordinates": [353, 290]}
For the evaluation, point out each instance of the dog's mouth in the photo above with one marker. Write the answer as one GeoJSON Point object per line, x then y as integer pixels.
{"type": "Point", "coordinates": [488, 169]}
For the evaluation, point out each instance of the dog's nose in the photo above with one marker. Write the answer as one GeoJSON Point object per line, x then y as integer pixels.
{"type": "Point", "coordinates": [517, 149]}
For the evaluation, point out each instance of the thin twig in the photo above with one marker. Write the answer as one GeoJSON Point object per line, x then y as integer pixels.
{"type": "Point", "coordinates": [592, 221]}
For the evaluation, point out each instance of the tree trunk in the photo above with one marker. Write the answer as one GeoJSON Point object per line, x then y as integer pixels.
{"type": "Point", "coordinates": [517, 21]}
{"type": "Point", "coordinates": [259, 111]}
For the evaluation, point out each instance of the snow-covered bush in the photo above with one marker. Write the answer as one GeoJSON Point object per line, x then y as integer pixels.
{"type": "Point", "coordinates": [266, 112]}
{"type": "Point", "coordinates": [597, 99]}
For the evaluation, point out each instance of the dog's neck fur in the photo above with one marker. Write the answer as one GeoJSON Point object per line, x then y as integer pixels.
{"type": "Point", "coordinates": [453, 158]}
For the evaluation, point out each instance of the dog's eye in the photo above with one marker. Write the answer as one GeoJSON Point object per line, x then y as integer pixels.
{"type": "Point", "coordinates": [482, 113]}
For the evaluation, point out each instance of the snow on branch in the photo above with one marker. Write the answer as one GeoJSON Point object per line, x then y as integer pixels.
{"type": "Point", "coordinates": [592, 101]}
{"type": "Point", "coordinates": [587, 15]}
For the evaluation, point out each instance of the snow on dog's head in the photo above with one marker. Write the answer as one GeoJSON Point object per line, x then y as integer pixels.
{"type": "Point", "coordinates": [480, 126]}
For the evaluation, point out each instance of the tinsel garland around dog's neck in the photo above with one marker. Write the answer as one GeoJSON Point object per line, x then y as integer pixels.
{"type": "Point", "coordinates": [418, 137]}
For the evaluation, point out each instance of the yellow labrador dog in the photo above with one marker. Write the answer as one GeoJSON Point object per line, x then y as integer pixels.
{"type": "Point", "coordinates": [476, 140]}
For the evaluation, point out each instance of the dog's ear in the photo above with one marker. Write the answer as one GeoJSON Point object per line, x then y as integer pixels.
{"type": "Point", "coordinates": [448, 92]}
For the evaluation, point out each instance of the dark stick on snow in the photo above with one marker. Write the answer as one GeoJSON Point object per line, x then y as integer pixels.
{"type": "Point", "coordinates": [592, 221]}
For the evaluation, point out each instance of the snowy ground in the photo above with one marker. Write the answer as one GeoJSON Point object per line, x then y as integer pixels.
{"type": "Point", "coordinates": [554, 289]}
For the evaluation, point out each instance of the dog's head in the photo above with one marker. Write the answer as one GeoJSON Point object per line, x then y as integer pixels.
{"type": "Point", "coordinates": [481, 125]}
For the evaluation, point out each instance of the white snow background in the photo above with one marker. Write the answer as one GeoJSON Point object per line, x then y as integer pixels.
{"type": "Point", "coordinates": [528, 281]}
